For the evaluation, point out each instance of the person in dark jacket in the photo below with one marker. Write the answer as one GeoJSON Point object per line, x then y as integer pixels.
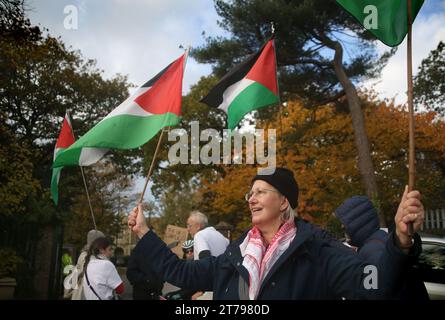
{"type": "Point", "coordinates": [281, 257]}
{"type": "Point", "coordinates": [147, 284]}
{"type": "Point", "coordinates": [183, 294]}
{"type": "Point", "coordinates": [361, 222]}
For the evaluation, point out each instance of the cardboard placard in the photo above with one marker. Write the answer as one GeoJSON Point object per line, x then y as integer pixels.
{"type": "Point", "coordinates": [174, 233]}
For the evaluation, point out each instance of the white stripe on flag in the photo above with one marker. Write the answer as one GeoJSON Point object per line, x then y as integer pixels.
{"type": "Point", "coordinates": [56, 150]}
{"type": "Point", "coordinates": [130, 107]}
{"type": "Point", "coordinates": [233, 91]}
{"type": "Point", "coordinates": [89, 156]}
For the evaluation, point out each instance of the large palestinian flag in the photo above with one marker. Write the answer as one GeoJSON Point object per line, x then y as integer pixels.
{"type": "Point", "coordinates": [250, 85]}
{"type": "Point", "coordinates": [390, 17]}
{"type": "Point", "coordinates": [155, 105]}
{"type": "Point", "coordinates": [66, 138]}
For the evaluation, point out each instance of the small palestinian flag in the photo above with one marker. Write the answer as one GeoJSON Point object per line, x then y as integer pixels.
{"type": "Point", "coordinates": [155, 105]}
{"type": "Point", "coordinates": [66, 138]}
{"type": "Point", "coordinates": [249, 86]}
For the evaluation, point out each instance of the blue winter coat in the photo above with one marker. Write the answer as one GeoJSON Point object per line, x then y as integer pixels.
{"type": "Point", "coordinates": [361, 221]}
{"type": "Point", "coordinates": [310, 268]}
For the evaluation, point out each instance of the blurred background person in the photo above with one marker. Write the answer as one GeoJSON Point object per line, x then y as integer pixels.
{"type": "Point", "coordinates": [77, 290]}
{"type": "Point", "coordinates": [147, 285]}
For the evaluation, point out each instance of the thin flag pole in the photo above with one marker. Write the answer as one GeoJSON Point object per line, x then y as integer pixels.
{"type": "Point", "coordinates": [88, 196]}
{"type": "Point", "coordinates": [151, 166]}
{"type": "Point", "coordinates": [281, 134]}
{"type": "Point", "coordinates": [411, 168]}
{"type": "Point", "coordinates": [85, 182]}
{"type": "Point", "coordinates": [272, 28]}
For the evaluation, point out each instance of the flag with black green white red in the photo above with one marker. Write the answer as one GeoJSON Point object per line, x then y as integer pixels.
{"type": "Point", "coordinates": [66, 139]}
{"type": "Point", "coordinates": [155, 105]}
{"type": "Point", "coordinates": [249, 86]}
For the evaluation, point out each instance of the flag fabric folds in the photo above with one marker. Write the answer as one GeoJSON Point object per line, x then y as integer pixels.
{"type": "Point", "coordinates": [66, 139]}
{"type": "Point", "coordinates": [249, 86]}
{"type": "Point", "coordinates": [155, 105]}
{"type": "Point", "coordinates": [385, 19]}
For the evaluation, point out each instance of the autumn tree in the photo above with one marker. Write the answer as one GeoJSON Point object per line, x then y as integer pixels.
{"type": "Point", "coordinates": [319, 148]}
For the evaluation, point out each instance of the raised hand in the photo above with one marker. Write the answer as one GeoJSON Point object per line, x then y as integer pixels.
{"type": "Point", "coordinates": [410, 210]}
{"type": "Point", "coordinates": [137, 222]}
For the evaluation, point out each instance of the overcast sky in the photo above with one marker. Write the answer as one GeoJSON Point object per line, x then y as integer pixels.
{"type": "Point", "coordinates": [139, 37]}
{"type": "Point", "coordinates": [132, 37]}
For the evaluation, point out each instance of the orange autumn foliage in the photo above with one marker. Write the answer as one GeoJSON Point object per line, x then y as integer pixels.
{"type": "Point", "coordinates": [318, 146]}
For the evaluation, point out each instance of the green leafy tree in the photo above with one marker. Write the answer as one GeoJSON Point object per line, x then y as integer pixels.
{"type": "Point", "coordinates": [16, 180]}
{"type": "Point", "coordinates": [429, 84]}
{"type": "Point", "coordinates": [176, 206]}
{"type": "Point", "coordinates": [39, 80]}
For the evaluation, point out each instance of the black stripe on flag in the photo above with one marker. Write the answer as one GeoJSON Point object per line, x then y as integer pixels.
{"type": "Point", "coordinates": [152, 81]}
{"type": "Point", "coordinates": [215, 97]}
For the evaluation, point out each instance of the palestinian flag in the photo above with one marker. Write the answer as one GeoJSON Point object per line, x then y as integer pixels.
{"type": "Point", "coordinates": [155, 105]}
{"type": "Point", "coordinates": [66, 138]}
{"type": "Point", "coordinates": [385, 19]}
{"type": "Point", "coordinates": [249, 86]}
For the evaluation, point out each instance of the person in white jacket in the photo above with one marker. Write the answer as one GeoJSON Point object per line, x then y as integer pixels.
{"type": "Point", "coordinates": [101, 280]}
{"type": "Point", "coordinates": [77, 274]}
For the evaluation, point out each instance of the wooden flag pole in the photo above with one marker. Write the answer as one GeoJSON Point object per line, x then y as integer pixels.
{"type": "Point", "coordinates": [151, 167]}
{"type": "Point", "coordinates": [411, 168]}
{"type": "Point", "coordinates": [85, 185]}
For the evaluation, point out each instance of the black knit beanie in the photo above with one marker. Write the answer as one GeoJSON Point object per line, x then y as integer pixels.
{"type": "Point", "coordinates": [283, 180]}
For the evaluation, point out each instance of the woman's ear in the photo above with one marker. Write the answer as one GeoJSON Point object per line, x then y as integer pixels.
{"type": "Point", "coordinates": [284, 204]}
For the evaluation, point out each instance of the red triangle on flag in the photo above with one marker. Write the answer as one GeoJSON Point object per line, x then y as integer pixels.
{"type": "Point", "coordinates": [166, 93]}
{"type": "Point", "coordinates": [264, 70]}
{"type": "Point", "coordinates": [66, 137]}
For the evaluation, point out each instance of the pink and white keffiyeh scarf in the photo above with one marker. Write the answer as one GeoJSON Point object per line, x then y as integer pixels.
{"type": "Point", "coordinates": [258, 260]}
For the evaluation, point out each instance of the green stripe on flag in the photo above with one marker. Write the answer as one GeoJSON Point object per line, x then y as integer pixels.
{"type": "Point", "coordinates": [253, 97]}
{"type": "Point", "coordinates": [118, 132]}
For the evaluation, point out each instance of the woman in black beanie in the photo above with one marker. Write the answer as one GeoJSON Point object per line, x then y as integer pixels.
{"type": "Point", "coordinates": [283, 257]}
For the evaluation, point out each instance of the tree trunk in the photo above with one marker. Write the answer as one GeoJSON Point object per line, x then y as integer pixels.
{"type": "Point", "coordinates": [365, 164]}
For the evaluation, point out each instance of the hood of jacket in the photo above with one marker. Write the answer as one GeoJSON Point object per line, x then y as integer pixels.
{"type": "Point", "coordinates": [360, 218]}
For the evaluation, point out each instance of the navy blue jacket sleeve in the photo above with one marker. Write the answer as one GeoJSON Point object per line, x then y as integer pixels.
{"type": "Point", "coordinates": [190, 274]}
{"type": "Point", "coordinates": [350, 277]}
